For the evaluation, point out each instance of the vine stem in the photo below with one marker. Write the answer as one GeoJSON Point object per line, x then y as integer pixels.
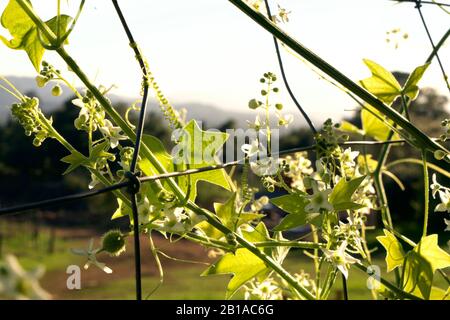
{"type": "Point", "coordinates": [426, 185]}
{"type": "Point", "coordinates": [211, 218]}
{"type": "Point", "coordinates": [420, 138]}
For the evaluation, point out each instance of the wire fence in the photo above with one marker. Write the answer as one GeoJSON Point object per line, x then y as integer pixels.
{"type": "Point", "coordinates": [134, 180]}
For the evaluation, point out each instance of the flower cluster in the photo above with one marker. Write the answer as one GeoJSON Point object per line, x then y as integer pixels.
{"type": "Point", "coordinates": [31, 118]}
{"type": "Point", "coordinates": [284, 120]}
{"type": "Point", "coordinates": [47, 74]}
{"type": "Point", "coordinates": [259, 151]}
{"type": "Point", "coordinates": [444, 195]}
{"type": "Point", "coordinates": [265, 290]}
{"type": "Point", "coordinates": [91, 115]}
{"type": "Point", "coordinates": [446, 127]}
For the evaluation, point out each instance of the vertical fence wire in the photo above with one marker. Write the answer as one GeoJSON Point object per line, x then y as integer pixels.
{"type": "Point", "coordinates": [134, 179]}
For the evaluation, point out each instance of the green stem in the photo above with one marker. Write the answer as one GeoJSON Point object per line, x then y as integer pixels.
{"type": "Point", "coordinates": [419, 162]}
{"type": "Point", "coordinates": [419, 137]}
{"type": "Point", "coordinates": [155, 255]}
{"type": "Point", "coordinates": [438, 46]}
{"type": "Point", "coordinates": [212, 220]}
{"type": "Point", "coordinates": [426, 185]}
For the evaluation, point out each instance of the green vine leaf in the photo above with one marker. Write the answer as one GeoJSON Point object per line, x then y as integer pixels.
{"type": "Point", "coordinates": [217, 177]}
{"type": "Point", "coordinates": [349, 127]}
{"type": "Point", "coordinates": [64, 21]}
{"type": "Point", "coordinates": [229, 217]}
{"type": "Point", "coordinates": [122, 210]}
{"type": "Point", "coordinates": [202, 147]}
{"type": "Point", "coordinates": [373, 126]}
{"type": "Point", "coordinates": [258, 234]}
{"type": "Point", "coordinates": [243, 264]}
{"type": "Point", "coordinates": [394, 250]}
{"type": "Point", "coordinates": [98, 151]}
{"type": "Point", "coordinates": [18, 24]}
{"type": "Point", "coordinates": [417, 275]}
{"type": "Point", "coordinates": [382, 83]}
{"type": "Point", "coordinates": [429, 249]}
{"type": "Point", "coordinates": [294, 204]}
{"type": "Point", "coordinates": [411, 88]}
{"type": "Point", "coordinates": [74, 160]}
{"type": "Point", "coordinates": [421, 264]}
{"type": "Point", "coordinates": [341, 196]}
{"type": "Point", "coordinates": [25, 33]}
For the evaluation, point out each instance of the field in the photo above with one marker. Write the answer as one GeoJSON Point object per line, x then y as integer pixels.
{"type": "Point", "coordinates": [181, 278]}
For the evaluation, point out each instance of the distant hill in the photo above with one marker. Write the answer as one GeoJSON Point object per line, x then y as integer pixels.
{"type": "Point", "coordinates": [212, 116]}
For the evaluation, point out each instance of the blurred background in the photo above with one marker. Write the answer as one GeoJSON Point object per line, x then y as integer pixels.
{"type": "Point", "coordinates": [207, 57]}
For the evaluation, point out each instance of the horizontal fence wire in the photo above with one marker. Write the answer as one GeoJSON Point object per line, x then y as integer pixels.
{"type": "Point", "coordinates": [436, 3]}
{"type": "Point", "coordinates": [133, 181]}
{"type": "Point", "coordinates": [126, 184]}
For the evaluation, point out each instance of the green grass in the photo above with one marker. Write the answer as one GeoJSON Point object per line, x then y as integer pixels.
{"type": "Point", "coordinates": [180, 283]}
{"type": "Point", "coordinates": [181, 280]}
{"type": "Point", "coordinates": [185, 283]}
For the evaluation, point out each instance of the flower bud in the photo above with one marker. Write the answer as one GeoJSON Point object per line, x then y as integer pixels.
{"type": "Point", "coordinates": [41, 81]}
{"type": "Point", "coordinates": [254, 104]}
{"type": "Point", "coordinates": [57, 90]}
{"type": "Point", "coordinates": [439, 154]}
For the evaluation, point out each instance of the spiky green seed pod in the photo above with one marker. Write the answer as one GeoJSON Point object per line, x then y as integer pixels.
{"type": "Point", "coordinates": [113, 242]}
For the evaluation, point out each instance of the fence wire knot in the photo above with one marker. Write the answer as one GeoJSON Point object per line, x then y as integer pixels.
{"type": "Point", "coordinates": [134, 182]}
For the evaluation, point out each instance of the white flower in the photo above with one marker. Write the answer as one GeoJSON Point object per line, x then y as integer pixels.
{"type": "Point", "coordinates": [79, 103]}
{"type": "Point", "coordinates": [94, 181]}
{"type": "Point", "coordinates": [266, 290]}
{"type": "Point", "coordinates": [113, 133]}
{"type": "Point", "coordinates": [435, 186]}
{"type": "Point", "coordinates": [284, 120]}
{"type": "Point", "coordinates": [256, 125]}
{"type": "Point", "coordinates": [340, 258]}
{"type": "Point", "coordinates": [90, 253]}
{"type": "Point", "coordinates": [178, 220]}
{"type": "Point", "coordinates": [444, 195]}
{"type": "Point", "coordinates": [16, 283]}
{"type": "Point", "coordinates": [348, 158]}
{"type": "Point", "coordinates": [145, 210]}
{"type": "Point", "coordinates": [250, 149]}
{"type": "Point", "coordinates": [264, 167]}
{"type": "Point", "coordinates": [318, 200]}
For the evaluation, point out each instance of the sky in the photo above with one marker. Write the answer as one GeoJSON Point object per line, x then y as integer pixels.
{"type": "Point", "coordinates": [207, 51]}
